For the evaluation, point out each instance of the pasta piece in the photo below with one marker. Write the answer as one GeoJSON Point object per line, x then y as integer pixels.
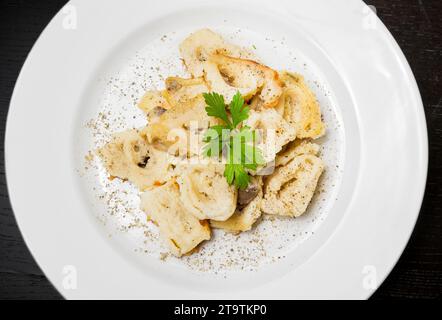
{"type": "Point", "coordinates": [205, 192]}
{"type": "Point", "coordinates": [300, 107]}
{"type": "Point", "coordinates": [180, 90]}
{"type": "Point", "coordinates": [227, 75]}
{"type": "Point", "coordinates": [294, 149]}
{"type": "Point", "coordinates": [172, 129]}
{"type": "Point", "coordinates": [181, 230]}
{"type": "Point", "coordinates": [289, 190]}
{"type": "Point", "coordinates": [246, 214]}
{"type": "Point", "coordinates": [153, 104]}
{"type": "Point", "coordinates": [130, 157]}
{"type": "Point", "coordinates": [196, 49]}
{"type": "Point", "coordinates": [275, 132]}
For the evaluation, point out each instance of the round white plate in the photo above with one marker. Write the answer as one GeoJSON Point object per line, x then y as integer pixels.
{"type": "Point", "coordinates": [93, 62]}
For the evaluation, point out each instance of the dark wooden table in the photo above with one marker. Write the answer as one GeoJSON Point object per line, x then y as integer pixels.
{"type": "Point", "coordinates": [416, 25]}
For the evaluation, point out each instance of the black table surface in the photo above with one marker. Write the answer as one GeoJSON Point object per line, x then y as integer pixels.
{"type": "Point", "coordinates": [416, 25]}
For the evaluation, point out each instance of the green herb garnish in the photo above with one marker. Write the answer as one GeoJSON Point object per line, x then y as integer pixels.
{"type": "Point", "coordinates": [232, 139]}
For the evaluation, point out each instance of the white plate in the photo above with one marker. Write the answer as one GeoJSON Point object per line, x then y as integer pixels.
{"type": "Point", "coordinates": [375, 150]}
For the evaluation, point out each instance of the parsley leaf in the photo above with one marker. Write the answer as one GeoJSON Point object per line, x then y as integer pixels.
{"type": "Point", "coordinates": [232, 138]}
{"type": "Point", "coordinates": [237, 174]}
{"type": "Point", "coordinates": [229, 173]}
{"type": "Point", "coordinates": [238, 110]}
{"type": "Point", "coordinates": [216, 107]}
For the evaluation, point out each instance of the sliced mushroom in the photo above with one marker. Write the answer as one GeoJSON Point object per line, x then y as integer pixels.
{"type": "Point", "coordinates": [289, 190]}
{"type": "Point", "coordinates": [248, 194]}
{"type": "Point", "coordinates": [181, 230]}
{"type": "Point", "coordinates": [300, 107]}
{"type": "Point", "coordinates": [266, 170]}
{"type": "Point", "coordinates": [130, 157]}
{"type": "Point", "coordinates": [205, 192]}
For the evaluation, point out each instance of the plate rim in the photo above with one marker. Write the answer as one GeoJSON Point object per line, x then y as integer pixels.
{"type": "Point", "coordinates": [404, 62]}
